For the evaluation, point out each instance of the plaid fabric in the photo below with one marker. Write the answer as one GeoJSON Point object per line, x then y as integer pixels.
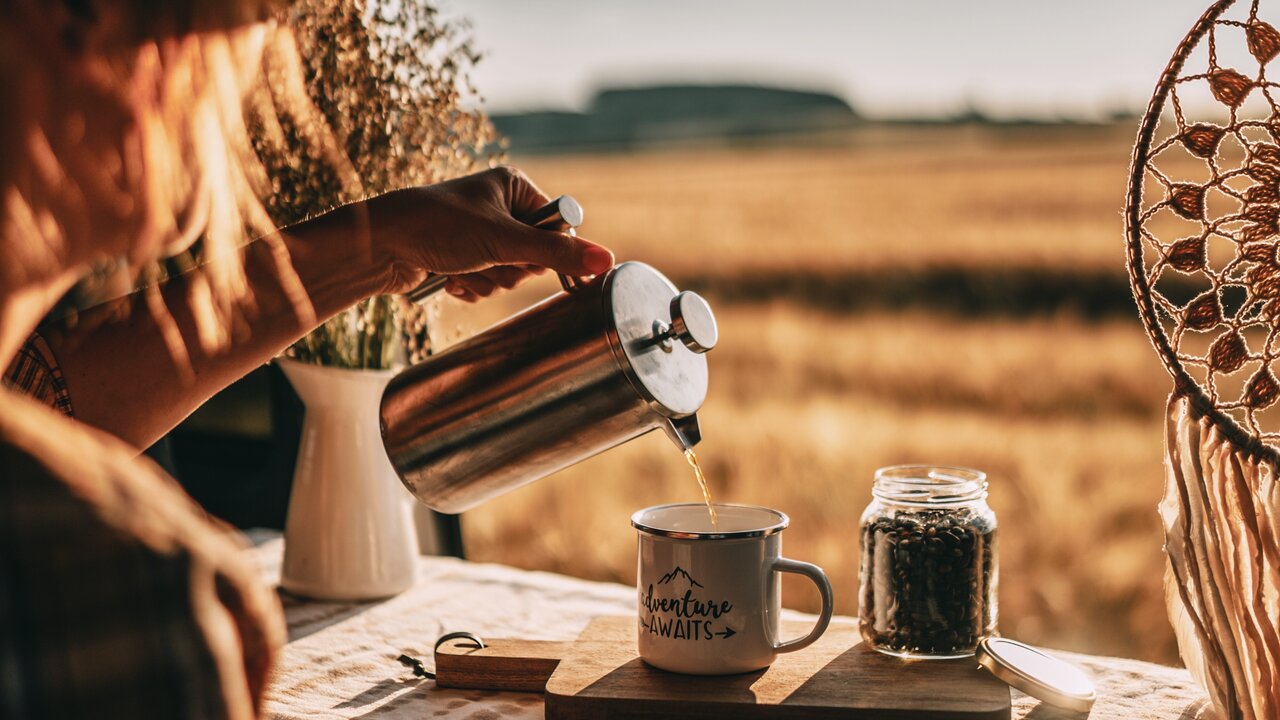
{"type": "Point", "coordinates": [117, 600]}
{"type": "Point", "coordinates": [92, 624]}
{"type": "Point", "coordinates": [34, 372]}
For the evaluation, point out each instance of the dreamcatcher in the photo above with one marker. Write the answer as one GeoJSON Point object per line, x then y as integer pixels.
{"type": "Point", "coordinates": [1203, 223]}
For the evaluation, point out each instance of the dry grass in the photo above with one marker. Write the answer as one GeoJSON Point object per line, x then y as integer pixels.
{"type": "Point", "coordinates": [804, 405]}
{"type": "Point", "coordinates": [913, 199]}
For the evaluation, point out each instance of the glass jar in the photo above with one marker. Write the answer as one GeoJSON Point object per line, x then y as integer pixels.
{"type": "Point", "coordinates": [929, 570]}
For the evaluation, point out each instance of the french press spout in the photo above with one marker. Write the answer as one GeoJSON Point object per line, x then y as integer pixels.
{"type": "Point", "coordinates": [605, 360]}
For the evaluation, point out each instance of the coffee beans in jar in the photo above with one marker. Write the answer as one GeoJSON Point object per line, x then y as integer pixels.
{"type": "Point", "coordinates": [929, 568]}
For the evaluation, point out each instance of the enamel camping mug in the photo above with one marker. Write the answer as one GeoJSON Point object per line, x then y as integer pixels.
{"type": "Point", "coordinates": [588, 368]}
{"type": "Point", "coordinates": [710, 596]}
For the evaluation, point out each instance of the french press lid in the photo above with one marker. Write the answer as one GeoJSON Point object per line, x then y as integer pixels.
{"type": "Point", "coordinates": [658, 336]}
{"type": "Point", "coordinates": [1037, 674]}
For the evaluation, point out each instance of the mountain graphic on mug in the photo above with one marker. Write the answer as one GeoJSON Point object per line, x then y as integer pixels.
{"type": "Point", "coordinates": [676, 574]}
{"type": "Point", "coordinates": [672, 610]}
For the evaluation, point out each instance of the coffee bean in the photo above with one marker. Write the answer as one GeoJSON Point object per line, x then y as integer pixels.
{"type": "Point", "coordinates": [931, 585]}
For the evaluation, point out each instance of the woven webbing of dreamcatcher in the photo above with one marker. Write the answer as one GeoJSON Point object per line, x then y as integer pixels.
{"type": "Point", "coordinates": [1203, 223]}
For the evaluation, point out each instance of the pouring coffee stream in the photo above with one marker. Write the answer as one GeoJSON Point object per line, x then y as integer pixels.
{"type": "Point", "coordinates": [606, 360]}
{"type": "Point", "coordinates": [692, 458]}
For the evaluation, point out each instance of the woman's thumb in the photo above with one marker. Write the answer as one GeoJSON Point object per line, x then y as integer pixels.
{"type": "Point", "coordinates": [564, 253]}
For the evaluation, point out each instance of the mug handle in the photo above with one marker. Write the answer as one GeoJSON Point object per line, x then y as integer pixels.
{"type": "Point", "coordinates": [819, 578]}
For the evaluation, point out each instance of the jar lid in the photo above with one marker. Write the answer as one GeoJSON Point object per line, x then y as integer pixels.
{"type": "Point", "coordinates": [659, 336]}
{"type": "Point", "coordinates": [1037, 674]}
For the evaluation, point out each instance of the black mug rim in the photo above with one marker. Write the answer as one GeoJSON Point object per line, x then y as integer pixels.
{"type": "Point", "coordinates": [772, 529]}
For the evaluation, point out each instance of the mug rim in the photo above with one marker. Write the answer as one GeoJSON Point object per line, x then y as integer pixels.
{"type": "Point", "coordinates": [781, 524]}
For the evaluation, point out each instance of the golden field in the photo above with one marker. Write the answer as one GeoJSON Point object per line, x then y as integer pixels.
{"type": "Point", "coordinates": [1062, 409]}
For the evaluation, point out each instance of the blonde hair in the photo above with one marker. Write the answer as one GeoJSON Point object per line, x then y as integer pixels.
{"type": "Point", "coordinates": [160, 161]}
{"type": "Point", "coordinates": [123, 139]}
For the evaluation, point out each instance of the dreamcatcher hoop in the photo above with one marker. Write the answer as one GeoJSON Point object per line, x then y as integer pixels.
{"type": "Point", "coordinates": [1188, 201]}
{"type": "Point", "coordinates": [1221, 505]}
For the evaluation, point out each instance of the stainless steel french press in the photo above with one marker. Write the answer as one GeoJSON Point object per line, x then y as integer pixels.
{"type": "Point", "coordinates": [606, 360]}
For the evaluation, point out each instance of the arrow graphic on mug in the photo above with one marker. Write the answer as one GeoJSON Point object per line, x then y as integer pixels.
{"type": "Point", "coordinates": [727, 633]}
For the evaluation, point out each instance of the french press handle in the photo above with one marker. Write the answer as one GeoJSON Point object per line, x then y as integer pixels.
{"type": "Point", "coordinates": [563, 214]}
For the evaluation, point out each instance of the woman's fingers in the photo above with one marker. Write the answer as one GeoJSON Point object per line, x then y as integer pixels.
{"type": "Point", "coordinates": [532, 252]}
{"type": "Point", "coordinates": [471, 286]}
{"type": "Point", "coordinates": [564, 253]}
{"type": "Point", "coordinates": [469, 228]}
{"type": "Point", "coordinates": [464, 294]}
{"type": "Point", "coordinates": [479, 284]}
{"type": "Point", "coordinates": [506, 276]}
{"type": "Point", "coordinates": [256, 615]}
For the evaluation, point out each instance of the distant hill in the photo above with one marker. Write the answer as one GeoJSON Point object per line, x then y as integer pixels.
{"type": "Point", "coordinates": [631, 118]}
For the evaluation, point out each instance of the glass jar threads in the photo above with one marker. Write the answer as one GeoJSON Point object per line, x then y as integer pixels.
{"type": "Point", "coordinates": [929, 569]}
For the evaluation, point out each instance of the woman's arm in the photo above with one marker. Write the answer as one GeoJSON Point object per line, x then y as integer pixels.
{"type": "Point", "coordinates": [123, 377]}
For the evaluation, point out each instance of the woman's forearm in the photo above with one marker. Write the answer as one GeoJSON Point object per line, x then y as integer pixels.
{"type": "Point", "coordinates": [124, 378]}
{"type": "Point", "coordinates": [128, 374]}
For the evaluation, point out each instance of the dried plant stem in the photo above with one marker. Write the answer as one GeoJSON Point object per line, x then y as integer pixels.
{"type": "Point", "coordinates": [389, 82]}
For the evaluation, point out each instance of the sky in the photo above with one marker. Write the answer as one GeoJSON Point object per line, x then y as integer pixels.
{"type": "Point", "coordinates": [888, 58]}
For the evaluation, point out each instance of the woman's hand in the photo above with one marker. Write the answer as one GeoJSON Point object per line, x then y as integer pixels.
{"type": "Point", "coordinates": [467, 229]}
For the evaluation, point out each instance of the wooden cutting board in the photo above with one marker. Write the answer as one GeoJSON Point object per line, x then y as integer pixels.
{"type": "Point", "coordinates": [600, 676]}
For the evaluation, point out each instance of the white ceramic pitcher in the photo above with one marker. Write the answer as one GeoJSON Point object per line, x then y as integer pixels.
{"type": "Point", "coordinates": [349, 532]}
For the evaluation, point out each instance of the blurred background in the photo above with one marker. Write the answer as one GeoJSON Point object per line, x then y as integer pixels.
{"type": "Point", "coordinates": [908, 219]}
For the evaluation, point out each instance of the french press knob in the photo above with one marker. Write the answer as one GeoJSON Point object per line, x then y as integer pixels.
{"type": "Point", "coordinates": [692, 323]}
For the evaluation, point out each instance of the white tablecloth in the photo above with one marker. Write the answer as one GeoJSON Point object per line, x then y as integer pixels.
{"type": "Point", "coordinates": [341, 658]}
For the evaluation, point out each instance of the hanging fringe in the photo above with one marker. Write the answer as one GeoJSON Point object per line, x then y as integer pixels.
{"type": "Point", "coordinates": [1221, 516]}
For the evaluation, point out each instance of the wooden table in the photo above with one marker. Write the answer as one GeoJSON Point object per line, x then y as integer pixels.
{"type": "Point", "coordinates": [341, 658]}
